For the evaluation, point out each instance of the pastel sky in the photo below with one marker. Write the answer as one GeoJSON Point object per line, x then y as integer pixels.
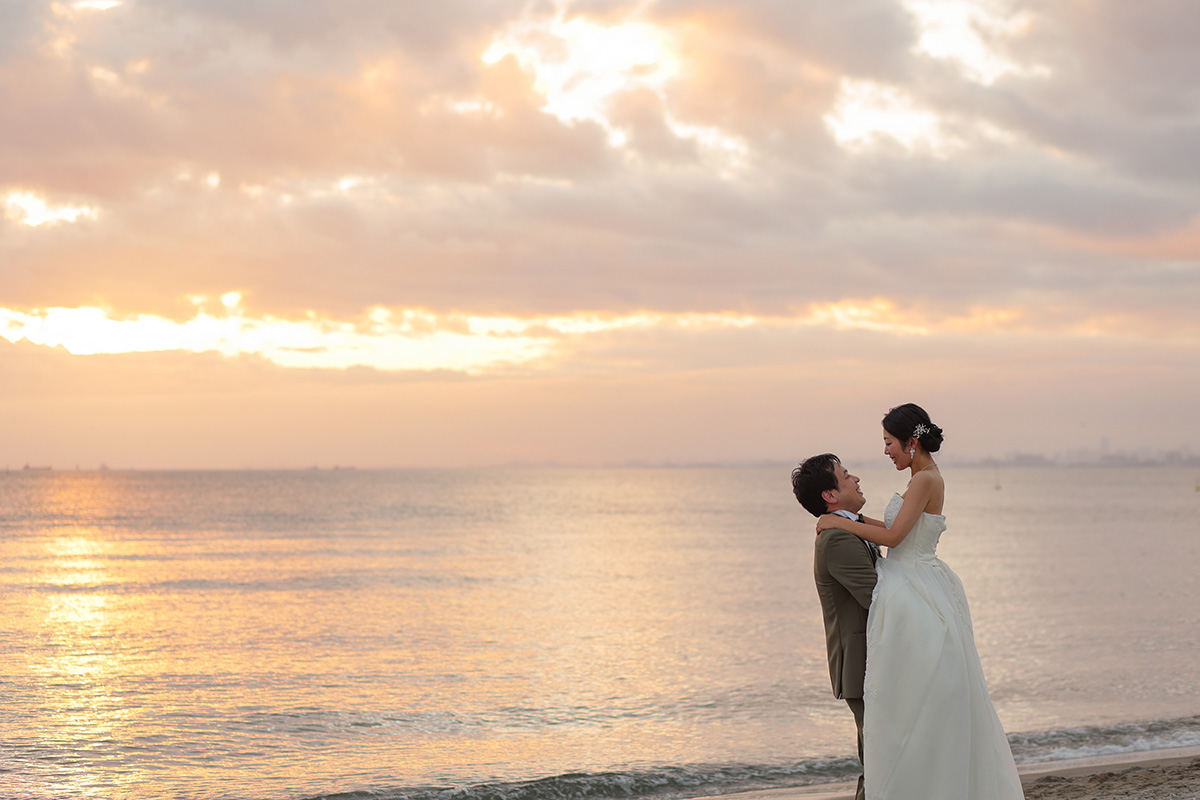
{"type": "Point", "coordinates": [283, 233]}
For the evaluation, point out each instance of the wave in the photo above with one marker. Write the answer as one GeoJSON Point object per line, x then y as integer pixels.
{"type": "Point", "coordinates": [664, 782]}
{"type": "Point", "coordinates": [1105, 740]}
{"type": "Point", "coordinates": [670, 783]}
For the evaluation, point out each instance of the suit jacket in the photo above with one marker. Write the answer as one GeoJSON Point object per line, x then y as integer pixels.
{"type": "Point", "coordinates": [845, 575]}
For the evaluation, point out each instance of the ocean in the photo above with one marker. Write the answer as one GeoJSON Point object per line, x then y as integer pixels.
{"type": "Point", "coordinates": [544, 634]}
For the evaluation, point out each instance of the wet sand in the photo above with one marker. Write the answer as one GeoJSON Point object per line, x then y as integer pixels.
{"type": "Point", "coordinates": [1156, 775]}
{"type": "Point", "coordinates": [1151, 778]}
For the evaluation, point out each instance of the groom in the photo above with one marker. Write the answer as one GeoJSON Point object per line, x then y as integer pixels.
{"type": "Point", "coordinates": [844, 568]}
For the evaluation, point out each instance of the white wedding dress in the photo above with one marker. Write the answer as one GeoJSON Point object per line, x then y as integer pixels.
{"type": "Point", "coordinates": [930, 730]}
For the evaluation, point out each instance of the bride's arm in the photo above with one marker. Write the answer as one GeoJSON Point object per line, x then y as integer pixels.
{"type": "Point", "coordinates": [863, 530]}
{"type": "Point", "coordinates": [916, 499]}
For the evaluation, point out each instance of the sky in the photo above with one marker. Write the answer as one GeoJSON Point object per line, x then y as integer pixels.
{"type": "Point", "coordinates": [294, 233]}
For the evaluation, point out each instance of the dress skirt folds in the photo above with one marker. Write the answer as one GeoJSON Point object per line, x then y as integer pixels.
{"type": "Point", "coordinates": [930, 730]}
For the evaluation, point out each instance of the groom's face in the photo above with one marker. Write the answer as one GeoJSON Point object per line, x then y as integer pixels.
{"type": "Point", "coordinates": [848, 495]}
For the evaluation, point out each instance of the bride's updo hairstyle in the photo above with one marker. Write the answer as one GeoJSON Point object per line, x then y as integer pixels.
{"type": "Point", "coordinates": [902, 422]}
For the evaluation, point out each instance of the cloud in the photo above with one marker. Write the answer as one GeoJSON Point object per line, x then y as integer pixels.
{"type": "Point", "coordinates": [857, 37]}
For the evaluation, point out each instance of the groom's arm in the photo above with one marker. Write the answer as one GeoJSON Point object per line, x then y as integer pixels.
{"type": "Point", "coordinates": [850, 564]}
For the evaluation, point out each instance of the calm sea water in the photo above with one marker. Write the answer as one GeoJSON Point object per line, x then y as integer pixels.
{"type": "Point", "coordinates": [520, 634]}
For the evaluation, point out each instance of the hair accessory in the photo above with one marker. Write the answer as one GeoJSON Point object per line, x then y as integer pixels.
{"type": "Point", "coordinates": [920, 430]}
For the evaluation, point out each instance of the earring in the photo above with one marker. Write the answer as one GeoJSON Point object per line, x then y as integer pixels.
{"type": "Point", "coordinates": [912, 453]}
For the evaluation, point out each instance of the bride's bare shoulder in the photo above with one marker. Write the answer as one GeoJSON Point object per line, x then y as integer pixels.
{"type": "Point", "coordinates": [932, 487]}
{"type": "Point", "coordinates": [924, 480]}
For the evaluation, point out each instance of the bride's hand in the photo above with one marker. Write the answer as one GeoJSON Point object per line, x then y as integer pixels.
{"type": "Point", "coordinates": [827, 521]}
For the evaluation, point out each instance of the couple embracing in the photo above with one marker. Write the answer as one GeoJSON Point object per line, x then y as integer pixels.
{"type": "Point", "coordinates": [901, 648]}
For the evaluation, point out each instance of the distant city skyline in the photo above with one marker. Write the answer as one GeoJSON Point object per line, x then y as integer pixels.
{"type": "Point", "coordinates": [1180, 457]}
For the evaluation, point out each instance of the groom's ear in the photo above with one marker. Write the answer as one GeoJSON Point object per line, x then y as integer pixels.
{"type": "Point", "coordinates": [829, 496]}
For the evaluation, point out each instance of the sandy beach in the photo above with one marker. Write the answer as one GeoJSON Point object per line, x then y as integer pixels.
{"type": "Point", "coordinates": [1155, 775]}
{"type": "Point", "coordinates": [1162, 775]}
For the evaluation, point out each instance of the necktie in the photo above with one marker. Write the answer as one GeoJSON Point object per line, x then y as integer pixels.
{"type": "Point", "coordinates": [874, 548]}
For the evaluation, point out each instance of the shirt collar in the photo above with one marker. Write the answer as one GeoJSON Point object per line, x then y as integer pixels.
{"type": "Point", "coordinates": [850, 515]}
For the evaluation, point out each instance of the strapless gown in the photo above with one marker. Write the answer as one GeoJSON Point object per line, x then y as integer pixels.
{"type": "Point", "coordinates": [930, 730]}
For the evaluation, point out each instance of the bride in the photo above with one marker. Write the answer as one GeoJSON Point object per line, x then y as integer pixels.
{"type": "Point", "coordinates": [930, 730]}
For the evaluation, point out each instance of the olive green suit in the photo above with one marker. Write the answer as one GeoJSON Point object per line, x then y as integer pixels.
{"type": "Point", "coordinates": [844, 568]}
{"type": "Point", "coordinates": [845, 573]}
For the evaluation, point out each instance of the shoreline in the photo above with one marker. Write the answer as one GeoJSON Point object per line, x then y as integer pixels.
{"type": "Point", "coordinates": [1145, 775]}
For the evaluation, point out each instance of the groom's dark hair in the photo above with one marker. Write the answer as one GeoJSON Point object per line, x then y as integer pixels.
{"type": "Point", "coordinates": [814, 476]}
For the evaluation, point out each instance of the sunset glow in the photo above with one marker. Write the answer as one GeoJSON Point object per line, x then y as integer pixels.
{"type": "Point", "coordinates": [866, 112]}
{"type": "Point", "coordinates": [96, 5]}
{"type": "Point", "coordinates": [398, 340]}
{"type": "Point", "coordinates": [581, 64]}
{"type": "Point", "coordinates": [966, 32]}
{"type": "Point", "coordinates": [409, 340]}
{"type": "Point", "coordinates": [388, 340]}
{"type": "Point", "coordinates": [29, 209]}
